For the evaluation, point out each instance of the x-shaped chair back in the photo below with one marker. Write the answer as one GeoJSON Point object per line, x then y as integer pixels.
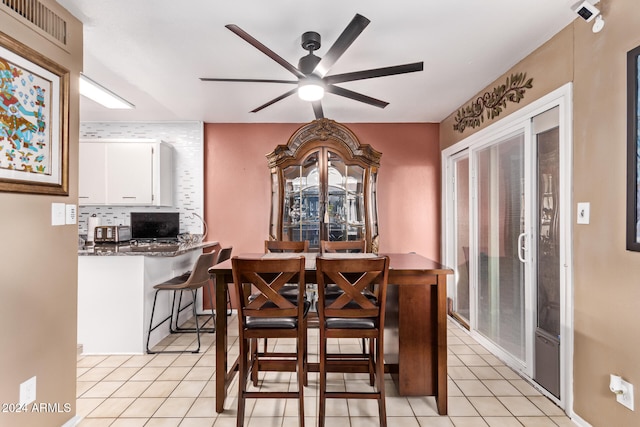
{"type": "Point", "coordinates": [267, 277]}
{"type": "Point", "coordinates": [353, 276]}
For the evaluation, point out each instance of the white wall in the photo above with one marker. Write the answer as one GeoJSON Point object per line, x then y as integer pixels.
{"type": "Point", "coordinates": [188, 170]}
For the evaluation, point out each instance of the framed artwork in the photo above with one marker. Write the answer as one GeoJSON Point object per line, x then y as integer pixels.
{"type": "Point", "coordinates": [633, 151]}
{"type": "Point", "coordinates": [34, 121]}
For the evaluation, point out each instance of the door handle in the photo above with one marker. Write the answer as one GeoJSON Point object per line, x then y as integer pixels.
{"type": "Point", "coordinates": [521, 247]}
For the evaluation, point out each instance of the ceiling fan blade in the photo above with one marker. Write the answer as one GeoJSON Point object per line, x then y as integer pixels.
{"type": "Point", "coordinates": [262, 48]}
{"type": "Point", "coordinates": [376, 72]}
{"type": "Point", "coordinates": [336, 90]}
{"type": "Point", "coordinates": [274, 100]}
{"type": "Point", "coordinates": [213, 79]}
{"type": "Point", "coordinates": [317, 109]}
{"type": "Point", "coordinates": [348, 36]}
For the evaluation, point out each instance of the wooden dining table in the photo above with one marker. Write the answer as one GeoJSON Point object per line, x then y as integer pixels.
{"type": "Point", "coordinates": [415, 340]}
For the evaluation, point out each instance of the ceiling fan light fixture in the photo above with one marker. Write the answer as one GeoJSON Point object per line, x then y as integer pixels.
{"type": "Point", "coordinates": [311, 89]}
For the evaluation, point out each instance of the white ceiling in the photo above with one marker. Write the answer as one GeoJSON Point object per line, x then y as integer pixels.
{"type": "Point", "coordinates": [153, 52]}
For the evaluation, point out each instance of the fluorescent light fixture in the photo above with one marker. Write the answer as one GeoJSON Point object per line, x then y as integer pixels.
{"type": "Point", "coordinates": [102, 95]}
{"type": "Point", "coordinates": [311, 89]}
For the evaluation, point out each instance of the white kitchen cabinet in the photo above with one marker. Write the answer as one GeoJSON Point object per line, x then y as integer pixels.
{"type": "Point", "coordinates": [126, 173]}
{"type": "Point", "coordinates": [92, 189]}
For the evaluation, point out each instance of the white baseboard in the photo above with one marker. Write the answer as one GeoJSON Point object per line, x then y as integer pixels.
{"type": "Point", "coordinates": [579, 421]}
{"type": "Point", "coordinates": [73, 422]}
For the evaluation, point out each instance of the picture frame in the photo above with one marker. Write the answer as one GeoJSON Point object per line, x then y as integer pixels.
{"type": "Point", "coordinates": [633, 150]}
{"type": "Point", "coordinates": [34, 121]}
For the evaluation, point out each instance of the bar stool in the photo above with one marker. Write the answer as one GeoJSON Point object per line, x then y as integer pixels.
{"type": "Point", "coordinates": [352, 315]}
{"type": "Point", "coordinates": [265, 313]}
{"type": "Point", "coordinates": [344, 246]}
{"type": "Point", "coordinates": [289, 290]}
{"type": "Point", "coordinates": [191, 281]}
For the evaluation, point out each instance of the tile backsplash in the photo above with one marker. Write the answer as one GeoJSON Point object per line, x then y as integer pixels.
{"type": "Point", "coordinates": [187, 140]}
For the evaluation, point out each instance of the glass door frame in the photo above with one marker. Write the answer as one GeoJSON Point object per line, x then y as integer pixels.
{"type": "Point", "coordinates": [451, 187]}
{"type": "Point", "coordinates": [562, 98]}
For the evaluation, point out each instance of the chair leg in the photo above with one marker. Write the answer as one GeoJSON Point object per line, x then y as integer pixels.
{"type": "Point", "coordinates": [254, 361]}
{"type": "Point", "coordinates": [305, 354]}
{"type": "Point", "coordinates": [242, 381]}
{"type": "Point", "coordinates": [151, 328]}
{"type": "Point", "coordinates": [195, 316]}
{"type": "Point", "coordinates": [323, 380]}
{"type": "Point", "coordinates": [230, 312]}
{"type": "Point", "coordinates": [372, 361]}
{"type": "Point", "coordinates": [382, 409]}
{"type": "Point", "coordinates": [178, 329]}
{"type": "Point", "coordinates": [302, 377]}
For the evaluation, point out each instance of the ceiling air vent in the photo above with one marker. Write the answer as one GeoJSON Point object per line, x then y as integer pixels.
{"type": "Point", "coordinates": [40, 16]}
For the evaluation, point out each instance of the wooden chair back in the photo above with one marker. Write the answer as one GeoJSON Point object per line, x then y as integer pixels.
{"type": "Point", "coordinates": [352, 246]}
{"type": "Point", "coordinates": [261, 279]}
{"type": "Point", "coordinates": [354, 277]}
{"type": "Point", "coordinates": [285, 246]}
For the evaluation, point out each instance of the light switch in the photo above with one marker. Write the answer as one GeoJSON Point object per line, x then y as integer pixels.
{"type": "Point", "coordinates": [583, 212]}
{"type": "Point", "coordinates": [71, 212]}
{"type": "Point", "coordinates": [57, 213]}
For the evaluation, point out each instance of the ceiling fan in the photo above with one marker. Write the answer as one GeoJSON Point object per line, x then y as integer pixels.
{"type": "Point", "coordinates": [312, 70]}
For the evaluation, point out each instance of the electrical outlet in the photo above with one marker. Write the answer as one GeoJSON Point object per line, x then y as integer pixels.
{"type": "Point", "coordinates": [626, 398]}
{"type": "Point", "coordinates": [28, 391]}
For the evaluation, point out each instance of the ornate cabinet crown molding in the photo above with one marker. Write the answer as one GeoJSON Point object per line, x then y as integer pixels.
{"type": "Point", "coordinates": [323, 130]}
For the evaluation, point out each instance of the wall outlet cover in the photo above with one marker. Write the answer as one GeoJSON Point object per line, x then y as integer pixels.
{"type": "Point", "coordinates": [583, 212]}
{"type": "Point", "coordinates": [28, 391]}
{"type": "Point", "coordinates": [626, 398]}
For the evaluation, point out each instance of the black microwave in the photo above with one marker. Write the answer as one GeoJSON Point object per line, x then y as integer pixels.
{"type": "Point", "coordinates": [155, 225]}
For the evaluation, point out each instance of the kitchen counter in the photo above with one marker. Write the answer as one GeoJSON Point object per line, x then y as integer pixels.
{"type": "Point", "coordinates": [115, 293]}
{"type": "Point", "coordinates": [147, 249]}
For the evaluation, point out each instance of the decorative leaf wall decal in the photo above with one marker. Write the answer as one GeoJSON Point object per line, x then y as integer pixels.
{"type": "Point", "coordinates": [493, 102]}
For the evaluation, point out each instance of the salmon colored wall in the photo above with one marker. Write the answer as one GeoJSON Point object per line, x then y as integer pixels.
{"type": "Point", "coordinates": [237, 186]}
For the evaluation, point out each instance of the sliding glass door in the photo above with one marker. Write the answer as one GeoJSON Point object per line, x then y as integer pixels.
{"type": "Point", "coordinates": [507, 233]}
{"type": "Point", "coordinates": [500, 234]}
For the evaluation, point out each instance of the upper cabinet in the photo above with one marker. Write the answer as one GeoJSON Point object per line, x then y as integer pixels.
{"type": "Point", "coordinates": [324, 187]}
{"type": "Point", "coordinates": [125, 173]}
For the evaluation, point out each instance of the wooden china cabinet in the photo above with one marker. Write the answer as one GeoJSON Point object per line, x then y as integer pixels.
{"type": "Point", "coordinates": [323, 187]}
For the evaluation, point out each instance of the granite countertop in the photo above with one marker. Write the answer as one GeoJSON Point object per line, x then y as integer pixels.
{"type": "Point", "coordinates": [146, 249]}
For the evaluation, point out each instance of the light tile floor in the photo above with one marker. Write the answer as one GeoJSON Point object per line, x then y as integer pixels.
{"type": "Point", "coordinates": [171, 390]}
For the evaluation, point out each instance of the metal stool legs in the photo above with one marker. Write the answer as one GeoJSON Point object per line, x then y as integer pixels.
{"type": "Point", "coordinates": [170, 319]}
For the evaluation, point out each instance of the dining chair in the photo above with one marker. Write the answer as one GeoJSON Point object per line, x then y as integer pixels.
{"type": "Point", "coordinates": [347, 246]}
{"type": "Point", "coordinates": [344, 246]}
{"type": "Point", "coordinates": [352, 314]}
{"type": "Point", "coordinates": [282, 246]}
{"type": "Point", "coordinates": [265, 313]}
{"type": "Point", "coordinates": [191, 281]}
{"type": "Point", "coordinates": [289, 291]}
